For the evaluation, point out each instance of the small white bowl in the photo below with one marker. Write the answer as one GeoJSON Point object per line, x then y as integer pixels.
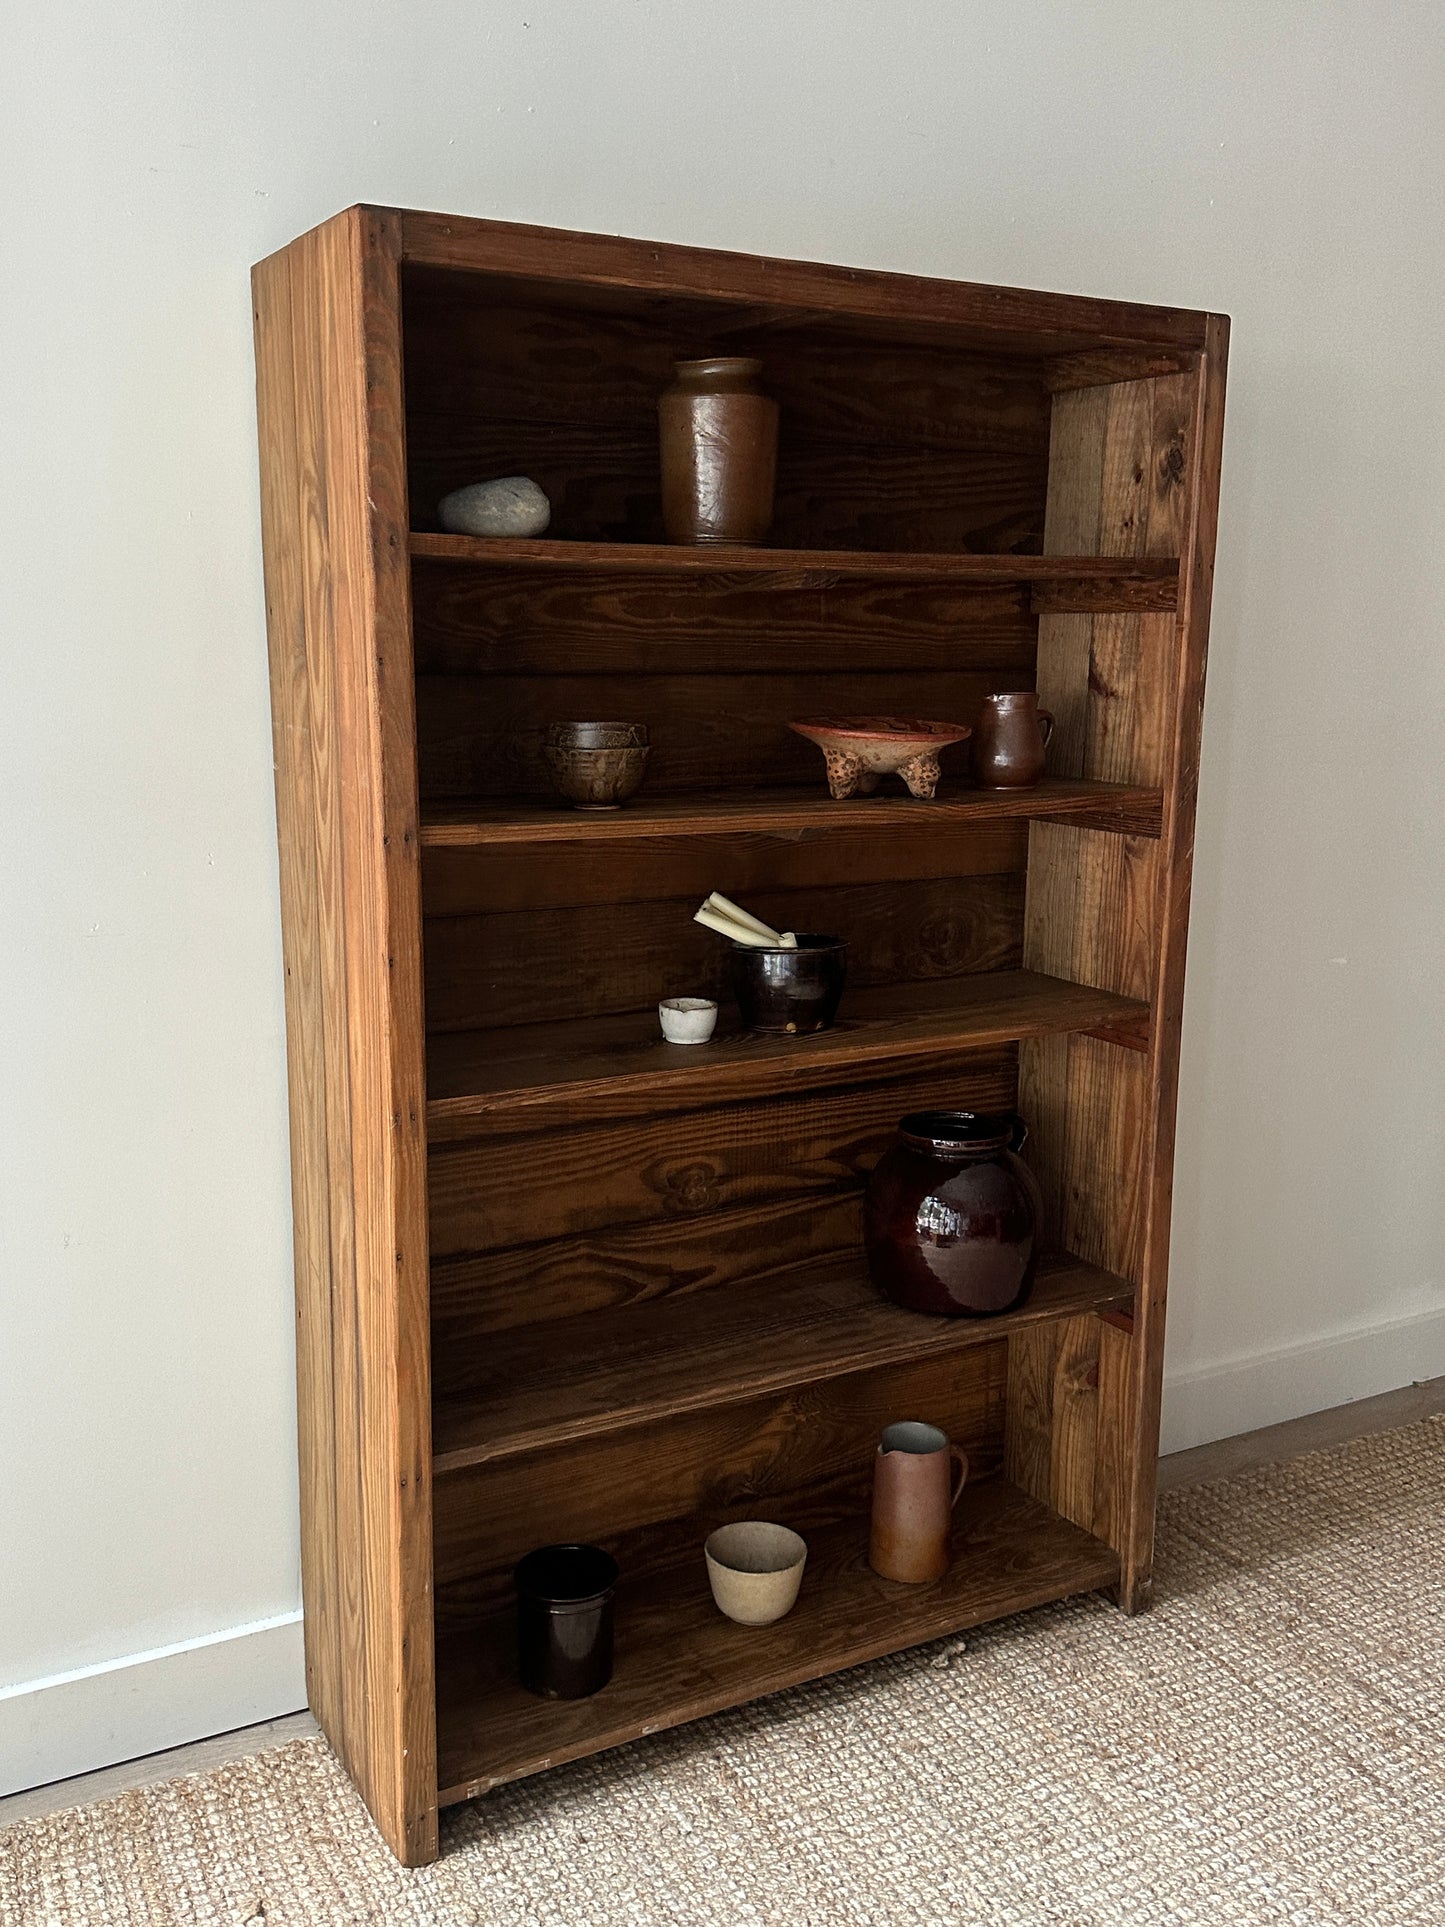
{"type": "Point", "coordinates": [755, 1570]}
{"type": "Point", "coordinates": [687, 1020]}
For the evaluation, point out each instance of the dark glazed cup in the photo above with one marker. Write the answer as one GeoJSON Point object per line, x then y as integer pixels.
{"type": "Point", "coordinates": [950, 1216]}
{"type": "Point", "coordinates": [793, 992]}
{"type": "Point", "coordinates": [564, 1620]}
{"type": "Point", "coordinates": [719, 452]}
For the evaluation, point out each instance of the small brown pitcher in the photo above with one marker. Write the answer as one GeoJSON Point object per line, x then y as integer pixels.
{"type": "Point", "coordinates": [916, 1482]}
{"type": "Point", "coordinates": [1009, 740]}
{"type": "Point", "coordinates": [719, 449]}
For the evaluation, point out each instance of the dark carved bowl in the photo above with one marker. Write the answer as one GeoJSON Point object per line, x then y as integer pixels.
{"type": "Point", "coordinates": [596, 779]}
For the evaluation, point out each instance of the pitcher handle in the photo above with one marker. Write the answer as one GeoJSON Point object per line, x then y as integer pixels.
{"type": "Point", "coordinates": [961, 1459]}
{"type": "Point", "coordinates": [1019, 1135]}
{"type": "Point", "coordinates": [1046, 726]}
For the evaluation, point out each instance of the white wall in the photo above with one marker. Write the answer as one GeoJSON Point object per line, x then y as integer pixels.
{"type": "Point", "coordinates": [1279, 161]}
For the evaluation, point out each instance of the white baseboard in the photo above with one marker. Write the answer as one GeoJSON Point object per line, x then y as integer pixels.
{"type": "Point", "coordinates": [1245, 1394]}
{"type": "Point", "coordinates": [51, 1729]}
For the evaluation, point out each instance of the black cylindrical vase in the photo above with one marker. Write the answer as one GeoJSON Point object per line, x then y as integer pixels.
{"type": "Point", "coordinates": [564, 1620]}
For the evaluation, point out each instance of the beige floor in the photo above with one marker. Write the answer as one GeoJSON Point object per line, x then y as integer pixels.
{"type": "Point", "coordinates": [1264, 1748]}
{"type": "Point", "coordinates": [1278, 1442]}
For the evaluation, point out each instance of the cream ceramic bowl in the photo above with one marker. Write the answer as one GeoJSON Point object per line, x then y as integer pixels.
{"type": "Point", "coordinates": [687, 1020]}
{"type": "Point", "coordinates": [755, 1570]}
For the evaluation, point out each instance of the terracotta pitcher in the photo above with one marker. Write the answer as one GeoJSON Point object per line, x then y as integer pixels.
{"type": "Point", "coordinates": [1009, 740]}
{"type": "Point", "coordinates": [916, 1482]}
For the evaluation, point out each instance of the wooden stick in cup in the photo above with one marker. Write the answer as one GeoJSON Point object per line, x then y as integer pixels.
{"type": "Point", "coordinates": [727, 908]}
{"type": "Point", "coordinates": [726, 927]}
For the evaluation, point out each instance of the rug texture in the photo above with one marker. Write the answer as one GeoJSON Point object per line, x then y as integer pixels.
{"type": "Point", "coordinates": [1265, 1745]}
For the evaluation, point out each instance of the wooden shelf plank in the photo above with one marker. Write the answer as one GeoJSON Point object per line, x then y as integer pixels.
{"type": "Point", "coordinates": [1150, 582]}
{"type": "Point", "coordinates": [536, 1386]}
{"type": "Point", "coordinates": [488, 825]}
{"type": "Point", "coordinates": [678, 1659]}
{"type": "Point", "coordinates": [484, 1083]}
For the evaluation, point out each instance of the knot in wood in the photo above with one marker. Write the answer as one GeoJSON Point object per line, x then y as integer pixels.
{"type": "Point", "coordinates": [690, 1188]}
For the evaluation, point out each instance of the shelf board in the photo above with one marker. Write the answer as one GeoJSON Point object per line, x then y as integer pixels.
{"type": "Point", "coordinates": [536, 1386]}
{"type": "Point", "coordinates": [489, 825]}
{"type": "Point", "coordinates": [678, 1659]}
{"type": "Point", "coordinates": [1098, 581]}
{"type": "Point", "coordinates": [485, 1083]}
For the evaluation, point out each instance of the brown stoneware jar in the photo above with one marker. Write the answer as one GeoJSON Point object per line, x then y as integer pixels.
{"type": "Point", "coordinates": [916, 1482]}
{"type": "Point", "coordinates": [1009, 740]}
{"type": "Point", "coordinates": [719, 449]}
{"type": "Point", "coordinates": [951, 1213]}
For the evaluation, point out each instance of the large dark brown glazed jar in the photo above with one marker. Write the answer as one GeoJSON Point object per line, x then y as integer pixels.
{"type": "Point", "coordinates": [719, 450]}
{"type": "Point", "coordinates": [951, 1215]}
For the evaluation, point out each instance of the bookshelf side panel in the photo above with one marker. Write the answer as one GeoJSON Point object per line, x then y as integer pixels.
{"type": "Point", "coordinates": [333, 483]}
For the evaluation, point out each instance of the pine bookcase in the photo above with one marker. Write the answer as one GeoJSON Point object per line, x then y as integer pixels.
{"type": "Point", "coordinates": [554, 1278]}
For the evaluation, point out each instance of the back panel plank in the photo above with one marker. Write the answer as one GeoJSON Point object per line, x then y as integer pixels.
{"type": "Point", "coordinates": [743, 865]}
{"type": "Point", "coordinates": [677, 1168]}
{"type": "Point", "coordinates": [548, 621]}
{"type": "Point", "coordinates": [531, 966]}
{"type": "Point", "coordinates": [602, 482]}
{"type": "Point", "coordinates": [482, 736]}
{"type": "Point", "coordinates": [475, 349]}
{"type": "Point", "coordinates": [565, 1278]}
{"type": "Point", "coordinates": [530, 1388]}
{"type": "Point", "coordinates": [803, 1458]}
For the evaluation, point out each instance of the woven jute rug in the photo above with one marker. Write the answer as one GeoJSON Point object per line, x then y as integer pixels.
{"type": "Point", "coordinates": [1265, 1745]}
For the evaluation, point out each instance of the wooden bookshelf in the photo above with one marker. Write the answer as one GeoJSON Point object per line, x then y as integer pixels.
{"type": "Point", "coordinates": [556, 1278]}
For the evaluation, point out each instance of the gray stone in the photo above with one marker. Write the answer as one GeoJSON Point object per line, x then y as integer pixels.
{"type": "Point", "coordinates": [512, 505]}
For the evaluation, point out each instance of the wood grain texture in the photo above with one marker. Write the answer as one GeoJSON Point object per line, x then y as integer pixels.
{"type": "Point", "coordinates": [678, 1658]}
{"type": "Point", "coordinates": [804, 1455]}
{"type": "Point", "coordinates": [637, 272]}
{"type": "Point", "coordinates": [672, 1168]}
{"type": "Point", "coordinates": [337, 592]}
{"type": "Point", "coordinates": [1117, 806]}
{"type": "Point", "coordinates": [1199, 457]}
{"type": "Point", "coordinates": [524, 967]}
{"type": "Point", "coordinates": [302, 735]}
{"type": "Point", "coordinates": [520, 615]}
{"type": "Point", "coordinates": [1131, 474]}
{"type": "Point", "coordinates": [1103, 367]}
{"type": "Point", "coordinates": [502, 1082]}
{"type": "Point", "coordinates": [483, 736]}
{"type": "Point", "coordinates": [569, 1277]}
{"type": "Point", "coordinates": [601, 479]}
{"type": "Point", "coordinates": [798, 568]}
{"type": "Point", "coordinates": [883, 446]}
{"type": "Point", "coordinates": [475, 350]}
{"type": "Point", "coordinates": [617, 868]}
{"type": "Point", "coordinates": [1069, 1405]}
{"type": "Point", "coordinates": [537, 1386]}
{"type": "Point", "coordinates": [646, 1310]}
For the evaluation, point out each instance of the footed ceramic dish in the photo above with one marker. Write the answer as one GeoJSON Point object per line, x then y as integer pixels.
{"type": "Point", "coordinates": [860, 749]}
